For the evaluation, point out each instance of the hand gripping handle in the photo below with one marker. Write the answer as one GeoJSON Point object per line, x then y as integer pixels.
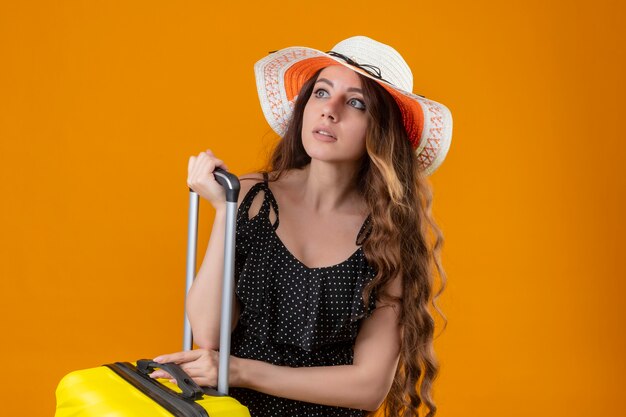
{"type": "Point", "coordinates": [187, 385]}
{"type": "Point", "coordinates": [230, 183]}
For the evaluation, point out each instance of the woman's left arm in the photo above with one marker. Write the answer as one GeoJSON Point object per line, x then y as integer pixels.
{"type": "Point", "coordinates": [363, 385]}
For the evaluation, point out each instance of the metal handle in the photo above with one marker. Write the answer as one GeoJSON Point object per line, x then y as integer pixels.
{"type": "Point", "coordinates": [231, 184]}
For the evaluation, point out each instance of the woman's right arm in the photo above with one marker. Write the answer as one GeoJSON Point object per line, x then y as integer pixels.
{"type": "Point", "coordinates": [203, 299]}
{"type": "Point", "coordinates": [203, 305]}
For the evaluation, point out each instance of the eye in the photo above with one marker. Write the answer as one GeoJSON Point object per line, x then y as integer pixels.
{"type": "Point", "coordinates": [320, 93]}
{"type": "Point", "coordinates": [356, 103]}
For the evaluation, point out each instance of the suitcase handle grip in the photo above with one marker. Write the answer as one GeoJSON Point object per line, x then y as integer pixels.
{"type": "Point", "coordinates": [230, 182]}
{"type": "Point", "coordinates": [187, 385]}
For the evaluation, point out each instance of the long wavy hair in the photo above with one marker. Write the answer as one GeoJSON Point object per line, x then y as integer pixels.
{"type": "Point", "coordinates": [404, 241]}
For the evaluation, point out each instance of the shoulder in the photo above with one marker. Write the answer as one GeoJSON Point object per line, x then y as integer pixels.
{"type": "Point", "coordinates": [251, 178]}
{"type": "Point", "coordinates": [246, 182]}
{"type": "Point", "coordinates": [391, 295]}
{"type": "Point", "coordinates": [253, 206]}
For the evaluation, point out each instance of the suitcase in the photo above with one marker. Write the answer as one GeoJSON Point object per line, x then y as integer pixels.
{"type": "Point", "coordinates": [125, 389]}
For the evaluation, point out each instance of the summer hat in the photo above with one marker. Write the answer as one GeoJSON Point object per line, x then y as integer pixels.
{"type": "Point", "coordinates": [281, 74]}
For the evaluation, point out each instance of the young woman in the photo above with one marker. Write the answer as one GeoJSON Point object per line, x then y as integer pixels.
{"type": "Point", "coordinates": [336, 247]}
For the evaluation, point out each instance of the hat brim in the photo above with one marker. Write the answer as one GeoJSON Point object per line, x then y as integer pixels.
{"type": "Point", "coordinates": [281, 75]}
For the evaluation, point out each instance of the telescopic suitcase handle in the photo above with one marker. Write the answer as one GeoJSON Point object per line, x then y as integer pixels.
{"type": "Point", "coordinates": [230, 183]}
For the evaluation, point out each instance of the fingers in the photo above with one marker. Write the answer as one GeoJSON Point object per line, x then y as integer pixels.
{"type": "Point", "coordinates": [221, 163]}
{"type": "Point", "coordinates": [201, 365]}
{"type": "Point", "coordinates": [159, 373]}
{"type": "Point", "coordinates": [203, 372]}
{"type": "Point", "coordinates": [179, 357]}
{"type": "Point", "coordinates": [212, 161]}
{"type": "Point", "coordinates": [218, 162]}
{"type": "Point", "coordinates": [202, 381]}
{"type": "Point", "coordinates": [200, 168]}
{"type": "Point", "coordinates": [201, 180]}
{"type": "Point", "coordinates": [190, 165]}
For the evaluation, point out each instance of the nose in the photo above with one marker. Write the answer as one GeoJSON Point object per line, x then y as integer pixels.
{"type": "Point", "coordinates": [331, 110]}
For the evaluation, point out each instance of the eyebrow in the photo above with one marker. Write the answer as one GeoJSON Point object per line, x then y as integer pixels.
{"type": "Point", "coordinates": [327, 81]}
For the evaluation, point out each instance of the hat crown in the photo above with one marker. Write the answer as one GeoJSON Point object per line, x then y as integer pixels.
{"type": "Point", "coordinates": [364, 50]}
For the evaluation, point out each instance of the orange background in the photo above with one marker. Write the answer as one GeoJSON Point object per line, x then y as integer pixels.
{"type": "Point", "coordinates": [102, 102]}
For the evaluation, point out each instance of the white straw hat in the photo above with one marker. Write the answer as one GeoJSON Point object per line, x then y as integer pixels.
{"type": "Point", "coordinates": [281, 74]}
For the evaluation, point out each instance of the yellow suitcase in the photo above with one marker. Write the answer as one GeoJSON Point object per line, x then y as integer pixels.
{"type": "Point", "coordinates": [124, 389]}
{"type": "Point", "coordinates": [121, 389]}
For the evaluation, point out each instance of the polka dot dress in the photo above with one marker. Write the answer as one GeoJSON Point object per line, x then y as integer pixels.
{"type": "Point", "coordinates": [292, 315]}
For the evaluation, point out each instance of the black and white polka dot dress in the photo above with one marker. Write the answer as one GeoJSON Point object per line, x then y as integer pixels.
{"type": "Point", "coordinates": [292, 315]}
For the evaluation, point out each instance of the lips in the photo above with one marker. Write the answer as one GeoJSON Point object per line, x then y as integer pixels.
{"type": "Point", "coordinates": [324, 134]}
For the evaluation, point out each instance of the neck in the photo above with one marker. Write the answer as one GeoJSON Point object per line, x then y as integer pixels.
{"type": "Point", "coordinates": [326, 187]}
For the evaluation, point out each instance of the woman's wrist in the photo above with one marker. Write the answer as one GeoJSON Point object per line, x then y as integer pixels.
{"type": "Point", "coordinates": [248, 373]}
{"type": "Point", "coordinates": [239, 372]}
{"type": "Point", "coordinates": [220, 208]}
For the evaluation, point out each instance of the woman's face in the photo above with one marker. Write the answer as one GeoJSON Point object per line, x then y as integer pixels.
{"type": "Point", "coordinates": [335, 120]}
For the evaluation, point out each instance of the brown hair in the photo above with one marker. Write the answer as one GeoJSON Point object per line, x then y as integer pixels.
{"type": "Point", "coordinates": [404, 242]}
